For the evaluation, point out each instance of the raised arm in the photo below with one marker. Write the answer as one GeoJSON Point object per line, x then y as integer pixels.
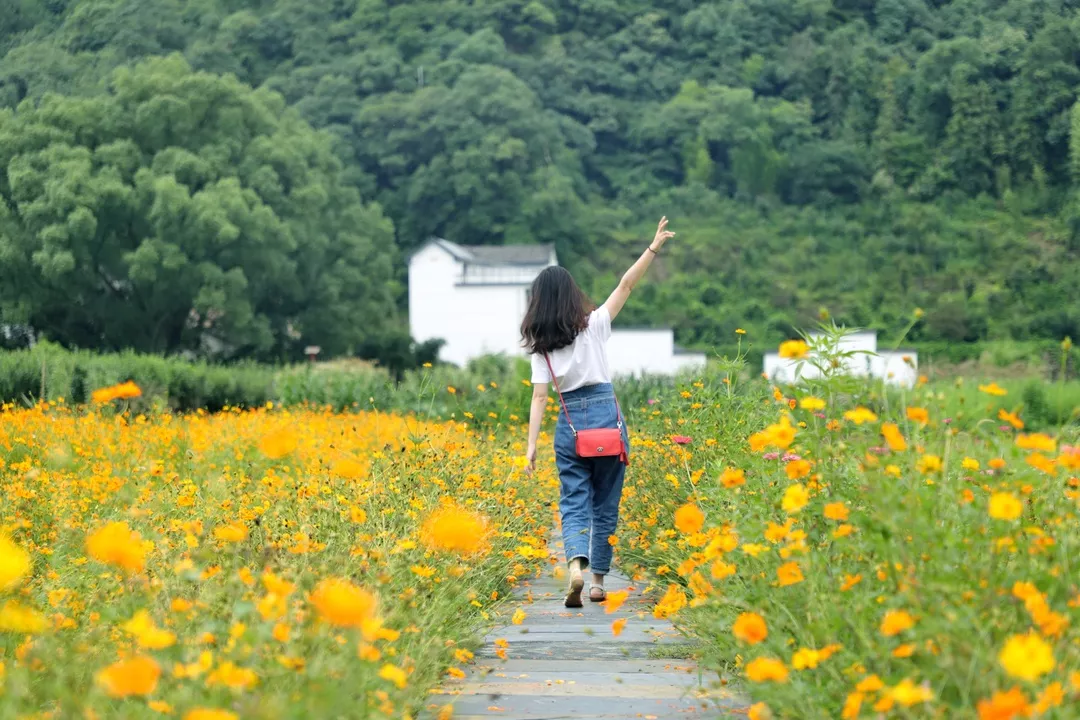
{"type": "Point", "coordinates": [618, 298]}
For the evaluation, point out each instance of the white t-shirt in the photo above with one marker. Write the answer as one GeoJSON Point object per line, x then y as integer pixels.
{"type": "Point", "coordinates": [583, 362]}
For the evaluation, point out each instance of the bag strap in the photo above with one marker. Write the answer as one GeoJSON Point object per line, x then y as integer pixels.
{"type": "Point", "coordinates": [562, 401]}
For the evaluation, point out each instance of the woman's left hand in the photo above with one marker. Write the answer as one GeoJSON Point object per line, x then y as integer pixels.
{"type": "Point", "coordinates": [530, 456]}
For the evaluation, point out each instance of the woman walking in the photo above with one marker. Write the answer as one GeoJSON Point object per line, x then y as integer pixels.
{"type": "Point", "coordinates": [567, 338]}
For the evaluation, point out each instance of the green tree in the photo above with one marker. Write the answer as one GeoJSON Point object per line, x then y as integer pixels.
{"type": "Point", "coordinates": [184, 211]}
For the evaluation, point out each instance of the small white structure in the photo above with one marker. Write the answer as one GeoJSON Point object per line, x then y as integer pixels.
{"type": "Point", "coordinates": [475, 297]}
{"type": "Point", "coordinates": [899, 367]}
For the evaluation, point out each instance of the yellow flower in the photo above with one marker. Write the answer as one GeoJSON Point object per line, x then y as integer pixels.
{"type": "Point", "coordinates": [395, 675]}
{"type": "Point", "coordinates": [149, 637]}
{"type": "Point", "coordinates": [906, 693]}
{"type": "Point", "coordinates": [766, 670]}
{"type": "Point", "coordinates": [812, 404]}
{"type": "Point", "coordinates": [233, 677]}
{"type": "Point", "coordinates": [136, 675]}
{"type": "Point", "coordinates": [341, 603]}
{"type": "Point", "coordinates": [689, 519]}
{"type": "Point", "coordinates": [860, 415]}
{"type": "Point", "coordinates": [673, 601]}
{"type": "Point", "coordinates": [993, 389]}
{"type": "Point", "coordinates": [1036, 441]}
{"type": "Point", "coordinates": [779, 435]}
{"type": "Point", "coordinates": [14, 564]}
{"type": "Point", "coordinates": [970, 464]}
{"type": "Point", "coordinates": [117, 544]}
{"type": "Point", "coordinates": [929, 464]}
{"type": "Point", "coordinates": [519, 617]}
{"type": "Point", "coordinates": [794, 349]}
{"type": "Point", "coordinates": [1027, 657]}
{"type": "Point", "coordinates": [16, 618]}
{"type": "Point", "coordinates": [233, 532]}
{"type": "Point", "coordinates": [210, 714]}
{"type": "Point", "coordinates": [455, 529]}
{"type": "Point", "coordinates": [750, 628]}
{"type": "Point", "coordinates": [896, 622]}
{"type": "Point", "coordinates": [795, 498]}
{"type": "Point", "coordinates": [1005, 506]}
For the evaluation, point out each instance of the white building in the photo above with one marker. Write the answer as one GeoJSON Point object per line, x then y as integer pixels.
{"type": "Point", "coordinates": [475, 297]}
{"type": "Point", "coordinates": [899, 367]}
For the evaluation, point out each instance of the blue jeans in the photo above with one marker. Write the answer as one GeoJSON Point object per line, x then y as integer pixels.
{"type": "Point", "coordinates": [591, 488]}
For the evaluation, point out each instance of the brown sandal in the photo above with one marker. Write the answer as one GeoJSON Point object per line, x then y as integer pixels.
{"type": "Point", "coordinates": [577, 584]}
{"type": "Point", "coordinates": [597, 597]}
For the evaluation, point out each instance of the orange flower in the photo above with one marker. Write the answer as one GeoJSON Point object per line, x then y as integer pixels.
{"type": "Point", "coordinates": [918, 415]}
{"type": "Point", "coordinates": [789, 574]}
{"type": "Point", "coordinates": [343, 604]}
{"type": "Point", "coordinates": [732, 478]}
{"type": "Point", "coordinates": [689, 519]}
{"type": "Point", "coordinates": [1011, 418]}
{"type": "Point", "coordinates": [1004, 706]}
{"type": "Point", "coordinates": [617, 626]}
{"type": "Point", "coordinates": [136, 675]}
{"type": "Point", "coordinates": [117, 544]}
{"type": "Point", "coordinates": [455, 529]}
{"type": "Point", "coordinates": [750, 628]}
{"type": "Point", "coordinates": [614, 600]}
{"type": "Point", "coordinates": [836, 511]}
{"type": "Point", "coordinates": [896, 622]}
{"type": "Point", "coordinates": [766, 670]}
{"type": "Point", "coordinates": [797, 469]}
{"type": "Point", "coordinates": [673, 601]}
{"type": "Point", "coordinates": [893, 437]}
{"type": "Point", "coordinates": [123, 391]}
{"type": "Point", "coordinates": [278, 444]}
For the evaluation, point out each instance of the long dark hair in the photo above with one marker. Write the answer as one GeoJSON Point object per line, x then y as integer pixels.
{"type": "Point", "coordinates": [558, 311]}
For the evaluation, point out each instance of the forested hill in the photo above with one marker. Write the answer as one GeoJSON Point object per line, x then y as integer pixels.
{"type": "Point", "coordinates": [865, 156]}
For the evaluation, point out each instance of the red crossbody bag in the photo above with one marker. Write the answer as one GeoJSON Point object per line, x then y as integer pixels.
{"type": "Point", "coordinates": [595, 442]}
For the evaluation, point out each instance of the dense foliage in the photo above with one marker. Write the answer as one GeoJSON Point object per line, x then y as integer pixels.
{"type": "Point", "coordinates": [866, 156]}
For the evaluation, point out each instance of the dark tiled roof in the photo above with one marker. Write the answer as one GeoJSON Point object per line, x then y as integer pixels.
{"type": "Point", "coordinates": [510, 254]}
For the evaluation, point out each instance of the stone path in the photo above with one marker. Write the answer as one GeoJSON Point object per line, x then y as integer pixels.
{"type": "Point", "coordinates": [564, 663]}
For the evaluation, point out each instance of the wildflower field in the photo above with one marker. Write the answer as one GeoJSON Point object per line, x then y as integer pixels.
{"type": "Point", "coordinates": [835, 551]}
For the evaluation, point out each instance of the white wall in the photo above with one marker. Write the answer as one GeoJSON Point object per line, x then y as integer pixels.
{"type": "Point", "coordinates": [474, 320]}
{"type": "Point", "coordinates": [647, 351]}
{"type": "Point", "coordinates": [895, 368]}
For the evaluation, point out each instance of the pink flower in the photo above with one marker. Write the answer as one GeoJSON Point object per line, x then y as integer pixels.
{"type": "Point", "coordinates": [680, 439]}
{"type": "Point", "coordinates": [652, 401]}
{"type": "Point", "coordinates": [947, 421]}
{"type": "Point", "coordinates": [819, 415]}
{"type": "Point", "coordinates": [791, 457]}
{"type": "Point", "coordinates": [770, 456]}
{"type": "Point", "coordinates": [1005, 428]}
{"type": "Point", "coordinates": [880, 450]}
